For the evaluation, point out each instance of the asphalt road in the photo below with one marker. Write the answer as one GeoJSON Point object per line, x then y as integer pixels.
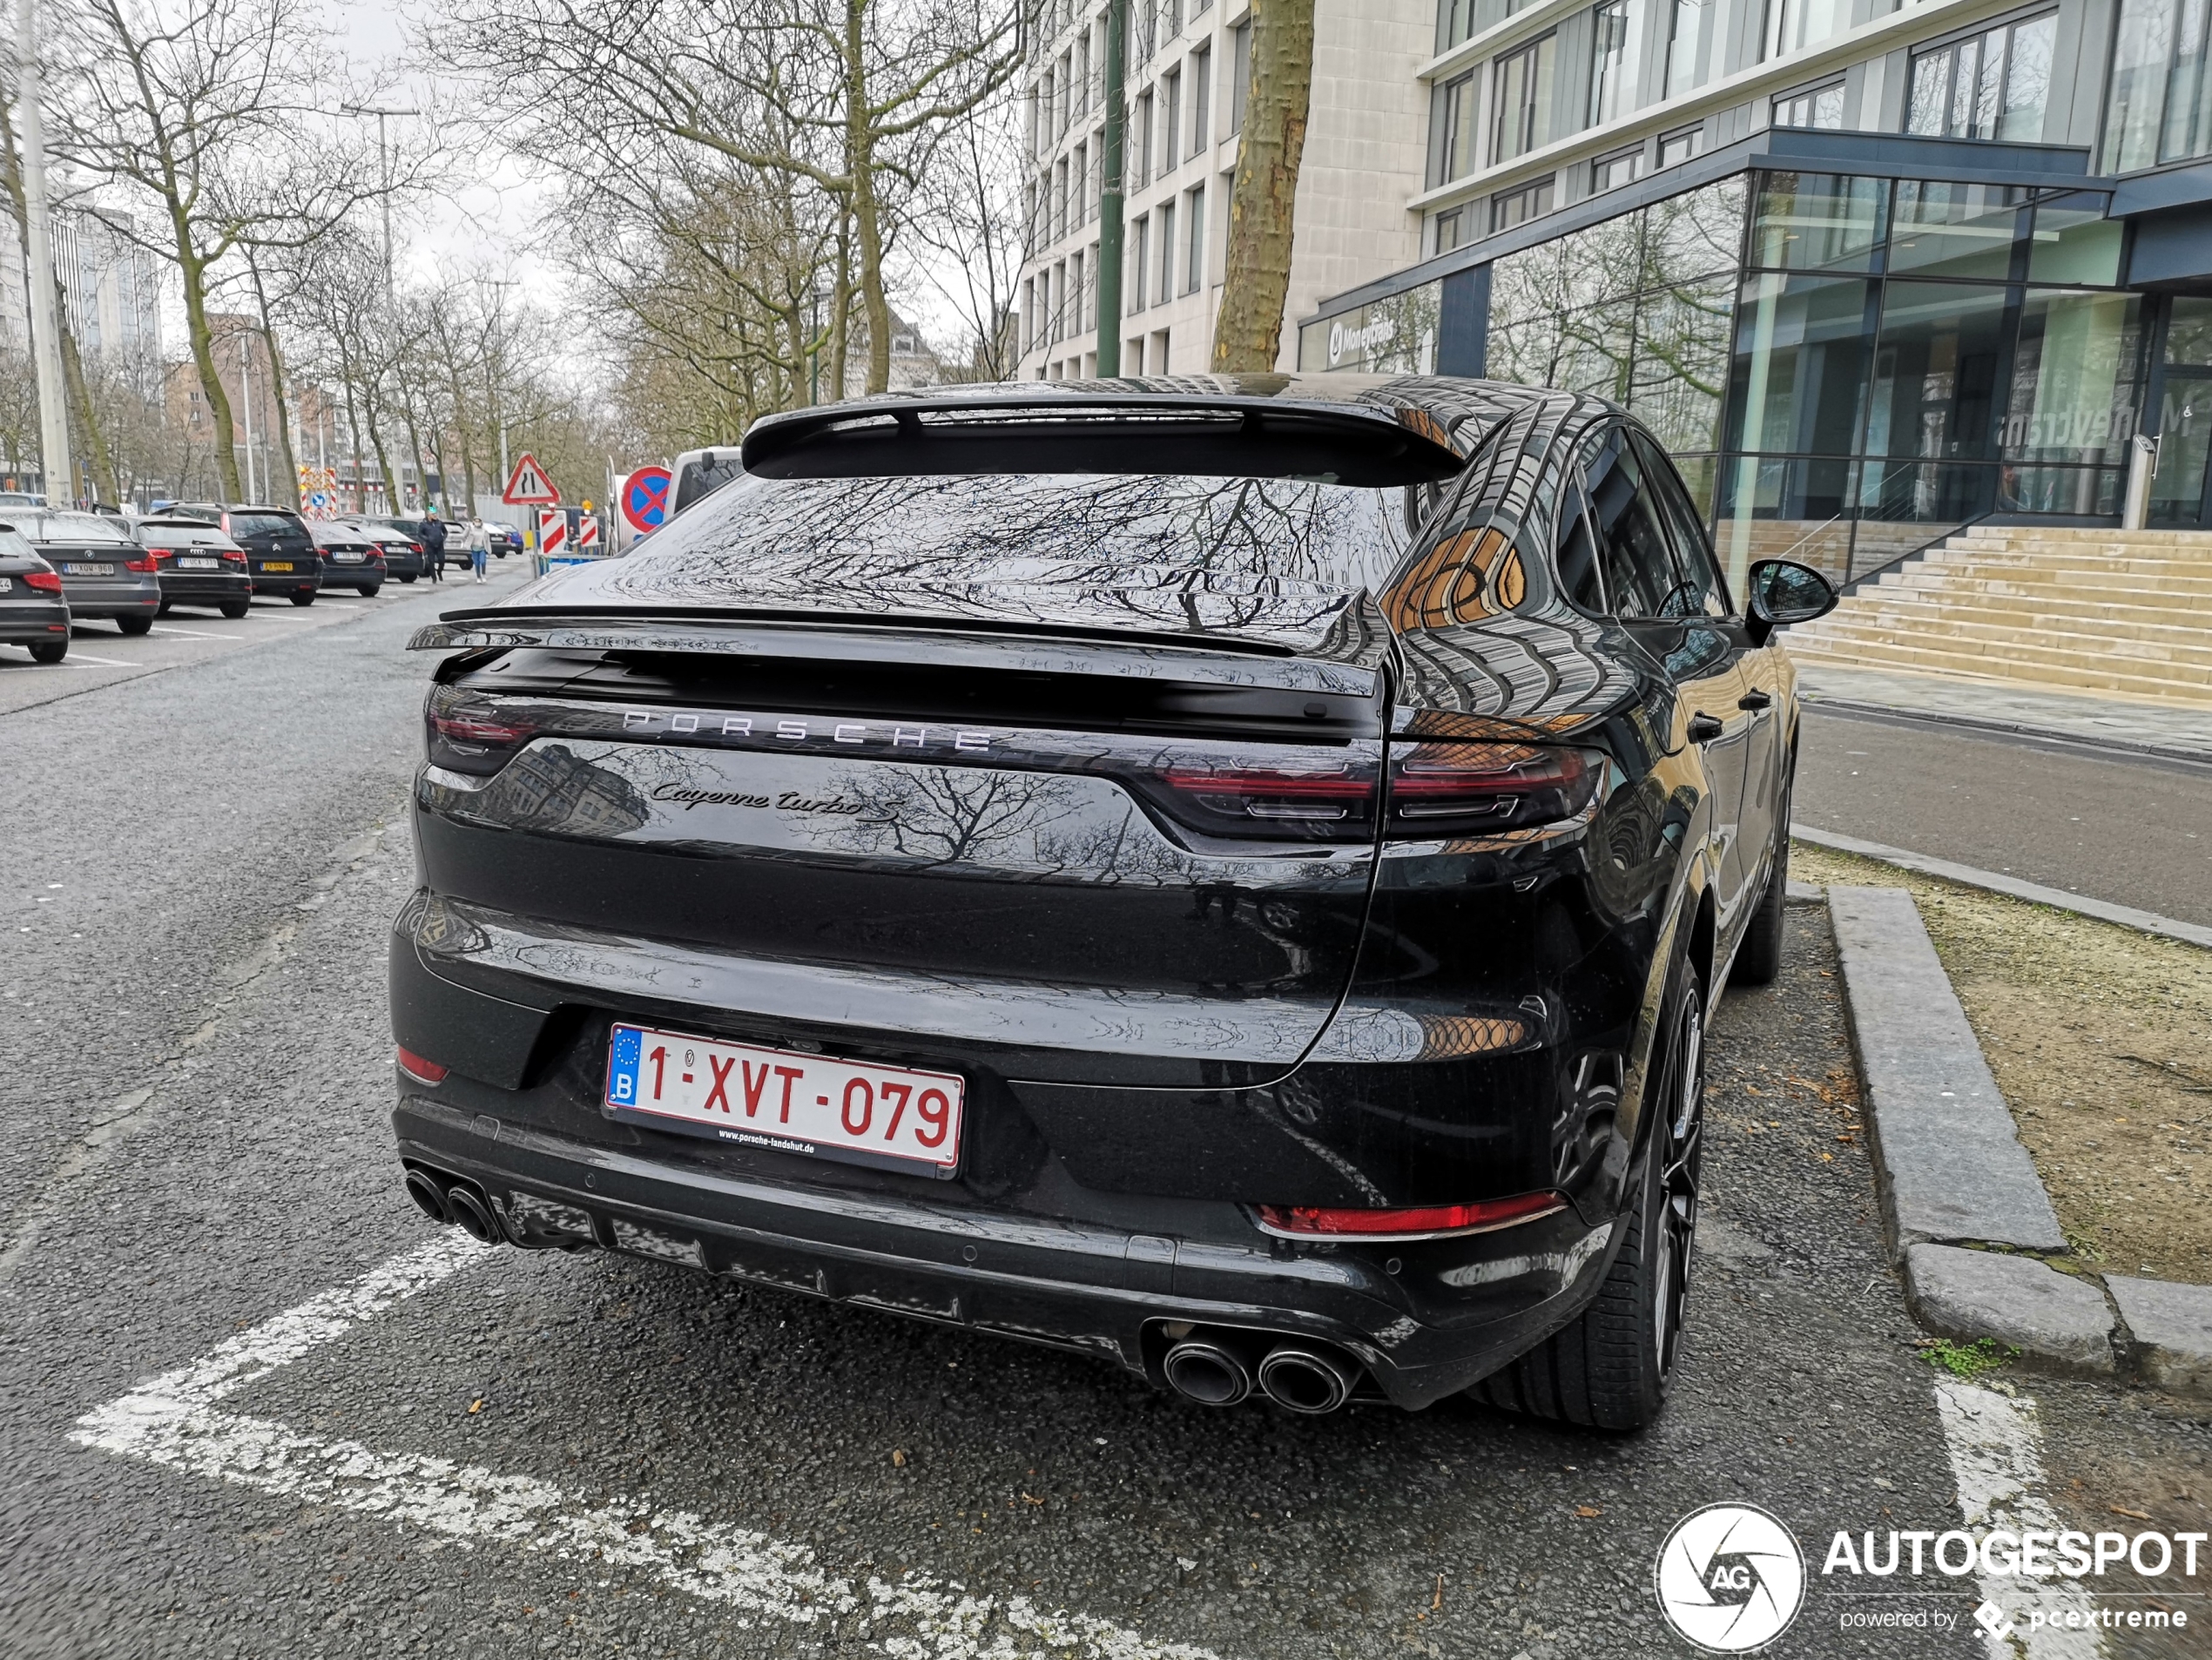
{"type": "Point", "coordinates": [2132, 831]}
{"type": "Point", "coordinates": [589, 1455]}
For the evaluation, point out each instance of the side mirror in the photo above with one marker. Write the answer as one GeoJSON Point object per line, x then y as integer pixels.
{"type": "Point", "coordinates": [1781, 592]}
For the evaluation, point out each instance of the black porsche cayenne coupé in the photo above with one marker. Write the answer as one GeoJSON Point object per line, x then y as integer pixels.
{"type": "Point", "coordinates": [1222, 874]}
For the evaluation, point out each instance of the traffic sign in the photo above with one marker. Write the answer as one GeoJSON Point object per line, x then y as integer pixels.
{"type": "Point", "coordinates": [645, 498]}
{"type": "Point", "coordinates": [529, 485]}
{"type": "Point", "coordinates": [587, 535]}
{"type": "Point", "coordinates": [552, 530]}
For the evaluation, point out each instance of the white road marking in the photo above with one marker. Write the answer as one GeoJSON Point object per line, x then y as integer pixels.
{"type": "Point", "coordinates": [173, 1421]}
{"type": "Point", "coordinates": [104, 662]}
{"type": "Point", "coordinates": [194, 633]}
{"type": "Point", "coordinates": [1996, 1453]}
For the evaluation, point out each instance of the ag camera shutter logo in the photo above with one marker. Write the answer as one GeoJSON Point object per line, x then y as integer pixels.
{"type": "Point", "coordinates": [1730, 1578]}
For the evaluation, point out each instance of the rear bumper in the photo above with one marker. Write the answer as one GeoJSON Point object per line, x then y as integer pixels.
{"type": "Point", "coordinates": [204, 587]}
{"type": "Point", "coordinates": [30, 624]}
{"type": "Point", "coordinates": [113, 598]}
{"type": "Point", "coordinates": [1451, 1312]}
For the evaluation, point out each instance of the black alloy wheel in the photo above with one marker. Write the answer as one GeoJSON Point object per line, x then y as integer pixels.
{"type": "Point", "coordinates": [1610, 1367]}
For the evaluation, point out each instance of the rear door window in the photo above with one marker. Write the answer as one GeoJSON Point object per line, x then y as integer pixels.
{"type": "Point", "coordinates": [262, 525]}
{"type": "Point", "coordinates": [1632, 543]}
{"type": "Point", "coordinates": [1703, 591]}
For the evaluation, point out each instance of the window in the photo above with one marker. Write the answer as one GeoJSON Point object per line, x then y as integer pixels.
{"type": "Point", "coordinates": [1683, 24]}
{"type": "Point", "coordinates": [1793, 24]}
{"type": "Point", "coordinates": [1142, 39]}
{"type": "Point", "coordinates": [1455, 22]}
{"type": "Point", "coordinates": [1029, 314]}
{"type": "Point", "coordinates": [1079, 174]}
{"type": "Point", "coordinates": [1820, 107]}
{"type": "Point", "coordinates": [1992, 85]}
{"type": "Point", "coordinates": [1170, 119]}
{"type": "Point", "coordinates": [1610, 172]}
{"type": "Point", "coordinates": [1613, 65]}
{"type": "Point", "coordinates": [1060, 198]}
{"type": "Point", "coordinates": [1201, 98]}
{"type": "Point", "coordinates": [1194, 275]}
{"type": "Point", "coordinates": [1140, 140]}
{"type": "Point", "coordinates": [1632, 546]}
{"type": "Point", "coordinates": [1512, 207]}
{"type": "Point", "coordinates": [1675, 148]}
{"type": "Point", "coordinates": [1138, 243]}
{"type": "Point", "coordinates": [1170, 19]}
{"type": "Point", "coordinates": [1240, 86]}
{"type": "Point", "coordinates": [1081, 88]}
{"type": "Point", "coordinates": [1448, 235]}
{"type": "Point", "coordinates": [1700, 591]}
{"type": "Point", "coordinates": [2160, 102]}
{"type": "Point", "coordinates": [1453, 122]}
{"type": "Point", "coordinates": [1166, 217]}
{"type": "Point", "coordinates": [1524, 100]}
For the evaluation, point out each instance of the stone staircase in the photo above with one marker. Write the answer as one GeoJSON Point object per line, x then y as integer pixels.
{"type": "Point", "coordinates": [2098, 612]}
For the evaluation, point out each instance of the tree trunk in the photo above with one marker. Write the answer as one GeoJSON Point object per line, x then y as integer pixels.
{"type": "Point", "coordinates": [288, 462]}
{"type": "Point", "coordinates": [1248, 331]}
{"type": "Point", "coordinates": [100, 463]}
{"type": "Point", "coordinates": [193, 274]}
{"type": "Point", "coordinates": [384, 458]}
{"type": "Point", "coordinates": [353, 428]}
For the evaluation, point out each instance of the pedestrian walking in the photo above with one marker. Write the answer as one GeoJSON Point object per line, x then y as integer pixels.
{"type": "Point", "coordinates": [479, 547]}
{"type": "Point", "coordinates": [433, 545]}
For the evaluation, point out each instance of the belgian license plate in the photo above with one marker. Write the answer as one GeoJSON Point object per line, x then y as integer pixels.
{"type": "Point", "coordinates": [77, 570]}
{"type": "Point", "coordinates": [342, 558]}
{"type": "Point", "coordinates": [6, 582]}
{"type": "Point", "coordinates": [276, 564]}
{"type": "Point", "coordinates": [184, 562]}
{"type": "Point", "coordinates": [786, 1100]}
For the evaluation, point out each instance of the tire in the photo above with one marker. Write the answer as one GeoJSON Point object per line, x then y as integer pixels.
{"type": "Point", "coordinates": [406, 578]}
{"type": "Point", "coordinates": [134, 624]}
{"type": "Point", "coordinates": [1611, 1366]}
{"type": "Point", "coordinates": [303, 596]}
{"type": "Point", "coordinates": [1758, 960]}
{"type": "Point", "coordinates": [49, 651]}
{"type": "Point", "coordinates": [164, 610]}
{"type": "Point", "coordinates": [234, 608]}
{"type": "Point", "coordinates": [368, 590]}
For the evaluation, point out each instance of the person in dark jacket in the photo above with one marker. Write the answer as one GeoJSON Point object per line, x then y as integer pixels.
{"type": "Point", "coordinates": [433, 546]}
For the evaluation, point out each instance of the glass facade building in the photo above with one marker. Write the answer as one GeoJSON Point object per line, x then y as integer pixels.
{"type": "Point", "coordinates": [1903, 271]}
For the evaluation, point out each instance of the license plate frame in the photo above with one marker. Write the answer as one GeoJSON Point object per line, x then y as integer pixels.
{"type": "Point", "coordinates": [195, 562]}
{"type": "Point", "coordinates": [284, 565]}
{"type": "Point", "coordinates": [755, 1084]}
{"type": "Point", "coordinates": [86, 568]}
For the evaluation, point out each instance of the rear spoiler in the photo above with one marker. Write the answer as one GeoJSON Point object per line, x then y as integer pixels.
{"type": "Point", "coordinates": [1348, 662]}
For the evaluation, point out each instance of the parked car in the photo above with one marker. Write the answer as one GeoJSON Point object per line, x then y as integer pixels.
{"type": "Point", "coordinates": [504, 538]}
{"type": "Point", "coordinates": [700, 473]}
{"type": "Point", "coordinates": [280, 550]}
{"type": "Point", "coordinates": [405, 557]}
{"type": "Point", "coordinates": [34, 613]}
{"type": "Point", "coordinates": [21, 498]}
{"type": "Point", "coordinates": [352, 556]}
{"type": "Point", "coordinates": [198, 565]}
{"type": "Point", "coordinates": [1273, 950]}
{"type": "Point", "coordinates": [104, 572]}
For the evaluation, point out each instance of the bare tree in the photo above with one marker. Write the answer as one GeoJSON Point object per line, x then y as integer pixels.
{"type": "Point", "coordinates": [215, 114]}
{"type": "Point", "coordinates": [972, 233]}
{"type": "Point", "coordinates": [1248, 329]}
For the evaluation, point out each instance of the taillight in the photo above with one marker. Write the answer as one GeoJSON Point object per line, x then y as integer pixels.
{"type": "Point", "coordinates": [415, 1067]}
{"type": "Point", "coordinates": [1418, 1222]}
{"type": "Point", "coordinates": [149, 560]}
{"type": "Point", "coordinates": [1432, 789]}
{"type": "Point", "coordinates": [46, 582]}
{"type": "Point", "coordinates": [465, 734]}
{"type": "Point", "coordinates": [233, 556]}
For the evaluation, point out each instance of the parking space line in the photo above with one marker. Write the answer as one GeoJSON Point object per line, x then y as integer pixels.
{"type": "Point", "coordinates": [1997, 1456]}
{"type": "Point", "coordinates": [173, 1421]}
{"type": "Point", "coordinates": [104, 662]}
{"type": "Point", "coordinates": [194, 633]}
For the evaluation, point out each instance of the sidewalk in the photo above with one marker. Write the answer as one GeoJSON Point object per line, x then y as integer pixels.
{"type": "Point", "coordinates": [2161, 728]}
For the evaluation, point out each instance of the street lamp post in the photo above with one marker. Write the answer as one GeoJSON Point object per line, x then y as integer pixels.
{"type": "Point", "coordinates": [38, 254]}
{"type": "Point", "coordinates": [384, 162]}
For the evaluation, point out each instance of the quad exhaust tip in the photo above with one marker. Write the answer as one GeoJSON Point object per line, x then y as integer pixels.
{"type": "Point", "coordinates": [1298, 1376]}
{"type": "Point", "coordinates": [457, 1202]}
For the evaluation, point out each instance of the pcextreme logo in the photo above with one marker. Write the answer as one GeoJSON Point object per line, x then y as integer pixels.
{"type": "Point", "coordinates": [1730, 1578]}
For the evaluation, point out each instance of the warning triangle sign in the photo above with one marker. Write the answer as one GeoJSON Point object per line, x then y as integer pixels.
{"type": "Point", "coordinates": [528, 485]}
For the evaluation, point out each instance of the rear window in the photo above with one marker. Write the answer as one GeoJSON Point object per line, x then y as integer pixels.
{"type": "Point", "coordinates": [181, 536]}
{"type": "Point", "coordinates": [1149, 544]}
{"type": "Point", "coordinates": [255, 523]}
{"type": "Point", "coordinates": [78, 529]}
{"type": "Point", "coordinates": [14, 544]}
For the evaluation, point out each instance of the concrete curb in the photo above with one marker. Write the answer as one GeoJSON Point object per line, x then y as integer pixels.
{"type": "Point", "coordinates": [1964, 1207]}
{"type": "Point", "coordinates": [1997, 883]}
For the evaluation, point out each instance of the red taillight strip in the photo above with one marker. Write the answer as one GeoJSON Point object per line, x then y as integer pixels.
{"type": "Point", "coordinates": [462, 730]}
{"type": "Point", "coordinates": [1341, 785]}
{"type": "Point", "coordinates": [1418, 1222]}
{"type": "Point", "coordinates": [422, 1070]}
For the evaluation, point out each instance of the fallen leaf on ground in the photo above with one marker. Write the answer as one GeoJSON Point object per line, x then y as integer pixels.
{"type": "Point", "coordinates": [1589, 1512]}
{"type": "Point", "coordinates": [2134, 1515]}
